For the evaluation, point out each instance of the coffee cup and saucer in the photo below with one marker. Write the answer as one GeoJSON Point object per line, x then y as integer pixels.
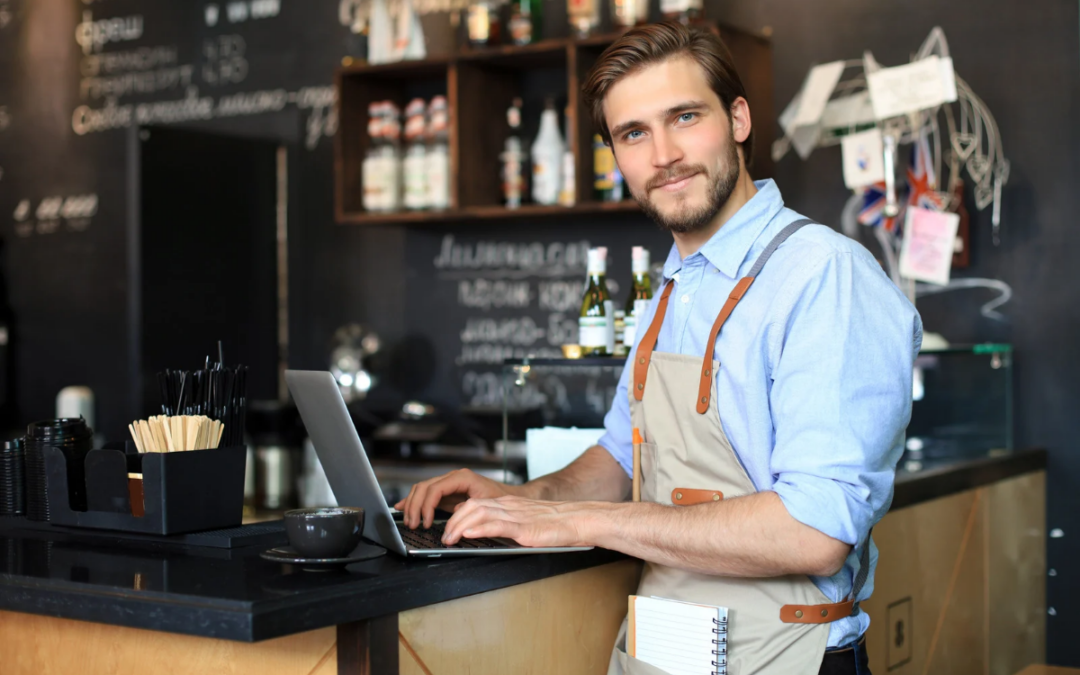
{"type": "Point", "coordinates": [324, 539]}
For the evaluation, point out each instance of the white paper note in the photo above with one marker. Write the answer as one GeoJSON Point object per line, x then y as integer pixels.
{"type": "Point", "coordinates": [819, 86]}
{"type": "Point", "coordinates": [848, 111]}
{"type": "Point", "coordinates": [863, 158]}
{"type": "Point", "coordinates": [926, 83]}
{"type": "Point", "coordinates": [677, 637]}
{"type": "Point", "coordinates": [927, 249]}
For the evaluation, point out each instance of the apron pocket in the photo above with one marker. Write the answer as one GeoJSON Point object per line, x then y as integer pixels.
{"type": "Point", "coordinates": [624, 664]}
{"type": "Point", "coordinates": [649, 455]}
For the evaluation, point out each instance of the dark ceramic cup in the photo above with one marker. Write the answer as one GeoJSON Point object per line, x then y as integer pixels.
{"type": "Point", "coordinates": [330, 532]}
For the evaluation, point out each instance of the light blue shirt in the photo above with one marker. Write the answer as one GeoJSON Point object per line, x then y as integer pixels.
{"type": "Point", "coordinates": [814, 384]}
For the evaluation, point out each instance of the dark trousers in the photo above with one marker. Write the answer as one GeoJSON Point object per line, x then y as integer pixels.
{"type": "Point", "coordinates": [847, 660]}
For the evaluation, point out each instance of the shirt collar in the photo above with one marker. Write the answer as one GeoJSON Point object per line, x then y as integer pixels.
{"type": "Point", "coordinates": [727, 249]}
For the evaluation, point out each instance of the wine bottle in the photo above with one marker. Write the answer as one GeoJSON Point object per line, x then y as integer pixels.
{"type": "Point", "coordinates": [415, 161]}
{"type": "Point", "coordinates": [603, 170]}
{"type": "Point", "coordinates": [513, 177]}
{"type": "Point", "coordinates": [526, 21]}
{"type": "Point", "coordinates": [584, 17]}
{"type": "Point", "coordinates": [596, 329]}
{"type": "Point", "coordinates": [438, 154]}
{"type": "Point", "coordinates": [640, 294]}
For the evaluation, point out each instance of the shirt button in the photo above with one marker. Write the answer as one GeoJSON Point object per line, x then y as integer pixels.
{"type": "Point", "coordinates": [685, 299]}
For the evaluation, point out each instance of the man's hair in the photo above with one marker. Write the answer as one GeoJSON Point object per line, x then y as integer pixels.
{"type": "Point", "coordinates": [656, 43]}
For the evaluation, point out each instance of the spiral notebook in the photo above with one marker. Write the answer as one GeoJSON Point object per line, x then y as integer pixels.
{"type": "Point", "coordinates": [680, 638]}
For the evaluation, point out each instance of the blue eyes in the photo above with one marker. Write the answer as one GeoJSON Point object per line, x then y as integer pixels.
{"type": "Point", "coordinates": [637, 133]}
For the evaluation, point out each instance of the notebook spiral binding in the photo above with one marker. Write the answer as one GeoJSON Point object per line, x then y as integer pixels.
{"type": "Point", "coordinates": [720, 664]}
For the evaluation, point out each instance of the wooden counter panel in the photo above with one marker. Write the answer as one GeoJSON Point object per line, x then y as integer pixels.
{"type": "Point", "coordinates": [50, 646]}
{"type": "Point", "coordinates": [565, 624]}
{"type": "Point", "coordinates": [960, 583]}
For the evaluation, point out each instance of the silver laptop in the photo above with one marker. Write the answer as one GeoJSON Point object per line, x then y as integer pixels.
{"type": "Point", "coordinates": [347, 468]}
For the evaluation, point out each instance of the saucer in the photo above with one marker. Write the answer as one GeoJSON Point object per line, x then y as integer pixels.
{"type": "Point", "coordinates": [288, 555]}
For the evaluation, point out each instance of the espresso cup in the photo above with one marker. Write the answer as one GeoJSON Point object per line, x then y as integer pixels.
{"type": "Point", "coordinates": [330, 532]}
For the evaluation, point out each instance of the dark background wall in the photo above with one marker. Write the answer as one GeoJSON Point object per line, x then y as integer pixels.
{"type": "Point", "coordinates": [68, 277]}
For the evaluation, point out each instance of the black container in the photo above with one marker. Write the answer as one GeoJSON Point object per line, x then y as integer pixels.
{"type": "Point", "coordinates": [73, 438]}
{"type": "Point", "coordinates": [188, 491]}
{"type": "Point", "coordinates": [12, 479]}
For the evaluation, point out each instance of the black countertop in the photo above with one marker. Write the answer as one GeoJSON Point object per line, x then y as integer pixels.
{"type": "Point", "coordinates": [234, 594]}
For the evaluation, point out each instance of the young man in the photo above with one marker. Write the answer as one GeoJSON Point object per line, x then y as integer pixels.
{"type": "Point", "coordinates": [777, 394]}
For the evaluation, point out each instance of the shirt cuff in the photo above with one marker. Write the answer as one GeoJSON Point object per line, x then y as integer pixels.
{"type": "Point", "coordinates": [826, 506]}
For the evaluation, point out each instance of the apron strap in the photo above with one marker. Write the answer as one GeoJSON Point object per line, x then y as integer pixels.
{"type": "Point", "coordinates": [648, 343]}
{"type": "Point", "coordinates": [705, 381]}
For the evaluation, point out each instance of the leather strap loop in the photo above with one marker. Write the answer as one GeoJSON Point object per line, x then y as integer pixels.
{"type": "Point", "coordinates": [705, 383]}
{"type": "Point", "coordinates": [691, 496]}
{"type": "Point", "coordinates": [816, 613]}
{"type": "Point", "coordinates": [648, 343]}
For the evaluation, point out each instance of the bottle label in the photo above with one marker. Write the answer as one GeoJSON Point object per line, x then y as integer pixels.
{"type": "Point", "coordinates": [609, 310]}
{"type": "Point", "coordinates": [521, 29]}
{"type": "Point", "coordinates": [603, 167]}
{"type": "Point", "coordinates": [479, 23]}
{"type": "Point", "coordinates": [630, 330]}
{"type": "Point", "coordinates": [416, 192]}
{"type": "Point", "coordinates": [593, 331]}
{"type": "Point", "coordinates": [438, 178]}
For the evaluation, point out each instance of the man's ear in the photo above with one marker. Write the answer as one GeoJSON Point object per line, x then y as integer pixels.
{"type": "Point", "coordinates": [740, 120]}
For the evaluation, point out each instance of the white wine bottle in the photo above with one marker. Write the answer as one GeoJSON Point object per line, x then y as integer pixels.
{"type": "Point", "coordinates": [596, 327]}
{"type": "Point", "coordinates": [640, 294]}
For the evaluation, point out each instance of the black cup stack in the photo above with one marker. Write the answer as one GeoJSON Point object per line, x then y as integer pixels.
{"type": "Point", "coordinates": [12, 479]}
{"type": "Point", "coordinates": [74, 439]}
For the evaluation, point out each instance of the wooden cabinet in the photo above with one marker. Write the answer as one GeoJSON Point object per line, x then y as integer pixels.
{"type": "Point", "coordinates": [480, 85]}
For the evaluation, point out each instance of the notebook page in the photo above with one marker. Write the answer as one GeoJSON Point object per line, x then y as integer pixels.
{"type": "Point", "coordinates": [676, 637]}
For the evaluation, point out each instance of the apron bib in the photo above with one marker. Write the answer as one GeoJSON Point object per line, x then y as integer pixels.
{"type": "Point", "coordinates": [777, 625]}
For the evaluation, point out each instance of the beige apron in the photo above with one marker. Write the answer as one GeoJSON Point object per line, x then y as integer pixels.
{"type": "Point", "coordinates": [776, 625]}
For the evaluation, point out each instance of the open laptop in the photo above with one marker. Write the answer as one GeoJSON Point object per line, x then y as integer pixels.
{"type": "Point", "coordinates": [347, 468]}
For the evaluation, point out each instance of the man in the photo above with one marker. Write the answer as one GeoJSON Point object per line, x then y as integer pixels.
{"type": "Point", "coordinates": [777, 394]}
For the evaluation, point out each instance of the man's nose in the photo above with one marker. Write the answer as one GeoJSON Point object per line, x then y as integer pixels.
{"type": "Point", "coordinates": [666, 150]}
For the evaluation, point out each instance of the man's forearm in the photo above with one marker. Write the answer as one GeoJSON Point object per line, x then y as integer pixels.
{"type": "Point", "coordinates": [751, 536]}
{"type": "Point", "coordinates": [594, 476]}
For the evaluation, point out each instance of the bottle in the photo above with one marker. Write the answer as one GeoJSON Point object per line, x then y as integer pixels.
{"type": "Point", "coordinates": [513, 178]}
{"type": "Point", "coordinates": [438, 154]}
{"type": "Point", "coordinates": [568, 186]}
{"type": "Point", "coordinates": [685, 12]}
{"type": "Point", "coordinates": [640, 294]}
{"type": "Point", "coordinates": [526, 21]}
{"type": "Point", "coordinates": [627, 13]}
{"type": "Point", "coordinates": [547, 157]}
{"type": "Point", "coordinates": [603, 171]}
{"type": "Point", "coordinates": [584, 16]}
{"type": "Point", "coordinates": [390, 165]}
{"type": "Point", "coordinates": [415, 162]}
{"type": "Point", "coordinates": [370, 178]}
{"type": "Point", "coordinates": [596, 327]}
{"type": "Point", "coordinates": [483, 23]}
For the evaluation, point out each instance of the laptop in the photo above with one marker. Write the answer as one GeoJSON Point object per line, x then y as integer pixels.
{"type": "Point", "coordinates": [351, 478]}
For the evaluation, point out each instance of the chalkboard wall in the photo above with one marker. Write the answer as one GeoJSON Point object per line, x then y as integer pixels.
{"type": "Point", "coordinates": [75, 74]}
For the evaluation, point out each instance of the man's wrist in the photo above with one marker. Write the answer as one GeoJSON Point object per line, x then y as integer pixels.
{"type": "Point", "coordinates": [598, 523]}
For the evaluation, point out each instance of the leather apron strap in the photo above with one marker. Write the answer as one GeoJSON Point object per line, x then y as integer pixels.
{"type": "Point", "coordinates": [648, 343]}
{"type": "Point", "coordinates": [705, 381]}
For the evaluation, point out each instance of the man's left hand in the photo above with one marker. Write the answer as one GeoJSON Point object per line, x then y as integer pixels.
{"type": "Point", "coordinates": [526, 521]}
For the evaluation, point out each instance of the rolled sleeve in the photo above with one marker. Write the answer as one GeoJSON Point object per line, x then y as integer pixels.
{"type": "Point", "coordinates": [841, 395]}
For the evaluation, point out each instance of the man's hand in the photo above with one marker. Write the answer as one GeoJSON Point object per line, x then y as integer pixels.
{"type": "Point", "coordinates": [447, 492]}
{"type": "Point", "coordinates": [526, 521]}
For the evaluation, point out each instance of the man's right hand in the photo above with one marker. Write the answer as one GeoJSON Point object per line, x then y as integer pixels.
{"type": "Point", "coordinates": [447, 492]}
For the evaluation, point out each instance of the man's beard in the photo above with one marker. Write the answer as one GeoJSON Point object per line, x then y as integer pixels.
{"type": "Point", "coordinates": [717, 192]}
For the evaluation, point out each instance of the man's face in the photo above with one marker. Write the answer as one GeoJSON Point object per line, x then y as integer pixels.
{"type": "Point", "coordinates": [674, 143]}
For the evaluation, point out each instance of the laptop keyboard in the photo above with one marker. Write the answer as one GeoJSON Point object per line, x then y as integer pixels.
{"type": "Point", "coordinates": [432, 539]}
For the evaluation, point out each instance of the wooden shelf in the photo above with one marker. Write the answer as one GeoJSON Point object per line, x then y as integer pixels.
{"type": "Point", "coordinates": [479, 85]}
{"type": "Point", "coordinates": [490, 213]}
